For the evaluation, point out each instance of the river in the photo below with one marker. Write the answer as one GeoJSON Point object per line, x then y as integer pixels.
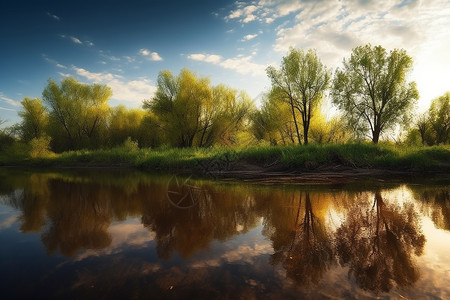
{"type": "Point", "coordinates": [124, 234]}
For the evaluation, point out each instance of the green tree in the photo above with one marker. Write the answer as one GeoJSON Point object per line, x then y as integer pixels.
{"type": "Point", "coordinates": [371, 89]}
{"type": "Point", "coordinates": [177, 105]}
{"type": "Point", "coordinates": [423, 125]}
{"type": "Point", "coordinates": [439, 118]}
{"type": "Point", "coordinates": [300, 81]}
{"type": "Point", "coordinates": [190, 112]}
{"type": "Point", "coordinates": [5, 137]}
{"type": "Point", "coordinates": [274, 122]}
{"type": "Point", "coordinates": [34, 119]}
{"type": "Point", "coordinates": [77, 113]}
{"type": "Point", "coordinates": [124, 123]}
{"type": "Point", "coordinates": [228, 118]}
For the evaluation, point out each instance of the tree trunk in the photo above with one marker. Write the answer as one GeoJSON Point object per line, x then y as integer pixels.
{"type": "Point", "coordinates": [295, 121]}
{"type": "Point", "coordinates": [376, 134]}
{"type": "Point", "coordinates": [305, 133]}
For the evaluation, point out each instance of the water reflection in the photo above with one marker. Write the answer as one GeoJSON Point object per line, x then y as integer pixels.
{"type": "Point", "coordinates": [379, 241]}
{"type": "Point", "coordinates": [309, 234]}
{"type": "Point", "coordinates": [302, 242]}
{"type": "Point", "coordinates": [436, 204]}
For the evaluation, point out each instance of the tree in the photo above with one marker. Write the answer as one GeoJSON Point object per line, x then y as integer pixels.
{"type": "Point", "coordinates": [124, 123]}
{"type": "Point", "coordinates": [422, 125]}
{"type": "Point", "coordinates": [300, 81]}
{"type": "Point", "coordinates": [439, 118]}
{"type": "Point", "coordinates": [192, 113]}
{"type": "Point", "coordinates": [274, 121]}
{"type": "Point", "coordinates": [177, 104]}
{"type": "Point", "coordinates": [77, 113]}
{"type": "Point", "coordinates": [34, 119]}
{"type": "Point", "coordinates": [6, 139]}
{"type": "Point", "coordinates": [372, 89]}
{"type": "Point", "coordinates": [229, 117]}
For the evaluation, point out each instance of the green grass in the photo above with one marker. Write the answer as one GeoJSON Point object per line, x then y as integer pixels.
{"type": "Point", "coordinates": [310, 157]}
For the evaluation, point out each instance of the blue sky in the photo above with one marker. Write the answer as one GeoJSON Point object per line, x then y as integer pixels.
{"type": "Point", "coordinates": [124, 44]}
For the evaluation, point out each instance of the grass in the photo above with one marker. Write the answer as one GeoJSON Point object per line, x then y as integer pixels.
{"type": "Point", "coordinates": [310, 157]}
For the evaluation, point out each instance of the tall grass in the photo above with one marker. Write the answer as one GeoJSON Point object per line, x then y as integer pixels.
{"type": "Point", "coordinates": [310, 157]}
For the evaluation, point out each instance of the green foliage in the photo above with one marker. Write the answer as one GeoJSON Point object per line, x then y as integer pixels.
{"type": "Point", "coordinates": [6, 138]}
{"type": "Point", "coordinates": [125, 123]}
{"type": "Point", "coordinates": [130, 146]}
{"type": "Point", "coordinates": [14, 153]}
{"type": "Point", "coordinates": [297, 158]}
{"type": "Point", "coordinates": [40, 147]}
{"type": "Point", "coordinates": [439, 118]}
{"type": "Point", "coordinates": [274, 122]}
{"type": "Point", "coordinates": [77, 113]}
{"type": "Point", "coordinates": [190, 112]}
{"type": "Point", "coordinates": [34, 119]}
{"type": "Point", "coordinates": [433, 127]}
{"type": "Point", "coordinates": [300, 82]}
{"type": "Point", "coordinates": [372, 89]}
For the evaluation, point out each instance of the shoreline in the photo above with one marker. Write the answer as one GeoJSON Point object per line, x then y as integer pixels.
{"type": "Point", "coordinates": [251, 173]}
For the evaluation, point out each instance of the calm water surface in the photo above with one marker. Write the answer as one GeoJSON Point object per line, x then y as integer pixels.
{"type": "Point", "coordinates": [127, 235]}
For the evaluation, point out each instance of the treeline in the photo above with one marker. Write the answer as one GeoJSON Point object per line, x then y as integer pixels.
{"type": "Point", "coordinates": [371, 92]}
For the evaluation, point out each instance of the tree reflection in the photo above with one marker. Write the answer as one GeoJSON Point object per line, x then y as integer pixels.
{"type": "Point", "coordinates": [216, 215]}
{"type": "Point", "coordinates": [376, 239]}
{"type": "Point", "coordinates": [378, 242]}
{"type": "Point", "coordinates": [79, 218]}
{"type": "Point", "coordinates": [306, 252]}
{"type": "Point", "coordinates": [436, 204]}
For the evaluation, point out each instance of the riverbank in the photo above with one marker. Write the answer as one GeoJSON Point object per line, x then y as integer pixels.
{"type": "Point", "coordinates": [316, 163]}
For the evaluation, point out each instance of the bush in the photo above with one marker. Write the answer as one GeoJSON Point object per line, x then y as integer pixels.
{"type": "Point", "coordinates": [130, 146]}
{"type": "Point", "coordinates": [40, 147]}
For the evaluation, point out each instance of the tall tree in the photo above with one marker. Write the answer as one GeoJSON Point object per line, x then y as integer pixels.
{"type": "Point", "coordinates": [274, 122]}
{"type": "Point", "coordinates": [77, 112]}
{"type": "Point", "coordinates": [300, 81]}
{"type": "Point", "coordinates": [177, 104]}
{"type": "Point", "coordinates": [422, 125]}
{"type": "Point", "coordinates": [192, 113]}
{"type": "Point", "coordinates": [372, 90]}
{"type": "Point", "coordinates": [34, 119]}
{"type": "Point", "coordinates": [439, 118]}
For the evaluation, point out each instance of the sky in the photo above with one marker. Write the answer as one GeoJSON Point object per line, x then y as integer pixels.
{"type": "Point", "coordinates": [125, 44]}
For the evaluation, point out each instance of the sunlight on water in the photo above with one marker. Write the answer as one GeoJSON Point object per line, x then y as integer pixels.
{"type": "Point", "coordinates": [91, 234]}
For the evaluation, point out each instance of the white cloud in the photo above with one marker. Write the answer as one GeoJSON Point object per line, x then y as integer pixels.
{"type": "Point", "coordinates": [243, 65]}
{"type": "Point", "coordinates": [96, 77]}
{"type": "Point", "coordinates": [54, 62]}
{"type": "Point", "coordinates": [249, 37]}
{"type": "Point", "coordinates": [8, 222]}
{"type": "Point", "coordinates": [209, 58]}
{"type": "Point", "coordinates": [244, 13]}
{"type": "Point", "coordinates": [153, 56]}
{"type": "Point", "coordinates": [144, 52]}
{"type": "Point", "coordinates": [123, 236]}
{"type": "Point", "coordinates": [110, 57]}
{"type": "Point", "coordinates": [75, 40]}
{"type": "Point", "coordinates": [132, 91]}
{"type": "Point", "coordinates": [334, 27]}
{"type": "Point", "coordinates": [64, 74]}
{"type": "Point", "coordinates": [240, 64]}
{"type": "Point", "coordinates": [249, 18]}
{"type": "Point", "coordinates": [130, 59]}
{"type": "Point", "coordinates": [9, 100]}
{"type": "Point", "coordinates": [89, 43]}
{"type": "Point", "coordinates": [54, 16]}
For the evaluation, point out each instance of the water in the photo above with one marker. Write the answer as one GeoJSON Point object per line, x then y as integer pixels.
{"type": "Point", "coordinates": [109, 234]}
